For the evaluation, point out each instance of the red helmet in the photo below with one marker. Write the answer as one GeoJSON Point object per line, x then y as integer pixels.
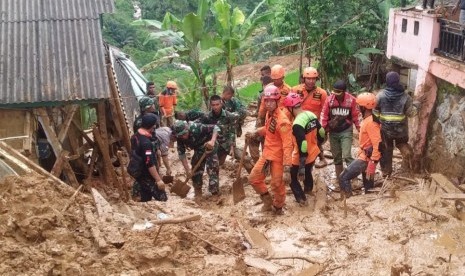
{"type": "Point", "coordinates": [271, 92]}
{"type": "Point", "coordinates": [292, 99]}
{"type": "Point", "coordinates": [367, 100]}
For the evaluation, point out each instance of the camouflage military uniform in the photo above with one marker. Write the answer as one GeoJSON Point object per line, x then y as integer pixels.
{"type": "Point", "coordinates": [226, 138]}
{"type": "Point", "coordinates": [234, 105]}
{"type": "Point", "coordinates": [199, 134]}
{"type": "Point", "coordinates": [194, 114]}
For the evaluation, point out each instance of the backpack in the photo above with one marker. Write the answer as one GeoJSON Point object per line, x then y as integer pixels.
{"type": "Point", "coordinates": [136, 162]}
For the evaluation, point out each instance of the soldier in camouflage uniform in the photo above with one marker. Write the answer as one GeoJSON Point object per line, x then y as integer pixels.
{"type": "Point", "coordinates": [233, 104]}
{"type": "Point", "coordinates": [225, 121]}
{"type": "Point", "coordinates": [153, 95]}
{"type": "Point", "coordinates": [190, 115]}
{"type": "Point", "coordinates": [200, 138]}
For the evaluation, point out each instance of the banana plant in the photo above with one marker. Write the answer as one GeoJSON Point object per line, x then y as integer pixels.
{"type": "Point", "coordinates": [233, 28]}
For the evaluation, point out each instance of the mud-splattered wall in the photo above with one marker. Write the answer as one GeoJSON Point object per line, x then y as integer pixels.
{"type": "Point", "coordinates": [446, 143]}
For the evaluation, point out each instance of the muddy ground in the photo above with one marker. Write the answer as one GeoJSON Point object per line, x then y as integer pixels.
{"type": "Point", "coordinates": [376, 234]}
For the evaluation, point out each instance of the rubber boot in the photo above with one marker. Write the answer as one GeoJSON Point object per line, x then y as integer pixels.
{"type": "Point", "coordinates": [197, 193]}
{"type": "Point", "coordinates": [267, 202]}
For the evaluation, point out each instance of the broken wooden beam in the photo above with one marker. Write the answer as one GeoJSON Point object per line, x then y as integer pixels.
{"type": "Point", "coordinates": [460, 196]}
{"type": "Point", "coordinates": [438, 217]}
{"type": "Point", "coordinates": [444, 183]}
{"type": "Point", "coordinates": [95, 231]}
{"type": "Point", "coordinates": [262, 264]}
{"type": "Point", "coordinates": [176, 220]}
{"type": "Point", "coordinates": [405, 179]}
{"type": "Point", "coordinates": [16, 154]}
{"type": "Point", "coordinates": [71, 199]}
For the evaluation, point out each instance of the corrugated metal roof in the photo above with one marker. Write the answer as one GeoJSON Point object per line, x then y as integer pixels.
{"type": "Point", "coordinates": [48, 53]}
{"type": "Point", "coordinates": [39, 10]}
{"type": "Point", "coordinates": [128, 88]}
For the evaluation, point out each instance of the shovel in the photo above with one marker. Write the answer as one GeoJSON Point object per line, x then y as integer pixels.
{"type": "Point", "coordinates": [180, 187]}
{"type": "Point", "coordinates": [238, 186]}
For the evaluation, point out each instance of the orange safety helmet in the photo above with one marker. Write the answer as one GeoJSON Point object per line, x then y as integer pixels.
{"type": "Point", "coordinates": [172, 85]}
{"type": "Point", "coordinates": [367, 100]}
{"type": "Point", "coordinates": [310, 72]}
{"type": "Point", "coordinates": [277, 72]}
{"type": "Point", "coordinates": [271, 92]}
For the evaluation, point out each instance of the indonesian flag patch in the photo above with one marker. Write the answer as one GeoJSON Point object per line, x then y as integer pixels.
{"type": "Point", "coordinates": [148, 152]}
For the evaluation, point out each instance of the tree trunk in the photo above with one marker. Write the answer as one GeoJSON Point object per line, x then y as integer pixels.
{"type": "Point", "coordinates": [215, 83]}
{"type": "Point", "coordinates": [303, 47]}
{"type": "Point", "coordinates": [229, 72]}
{"type": "Point", "coordinates": [204, 88]}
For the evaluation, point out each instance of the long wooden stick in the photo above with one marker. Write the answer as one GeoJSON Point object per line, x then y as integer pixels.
{"type": "Point", "coordinates": [405, 178]}
{"type": "Point", "coordinates": [176, 220]}
{"type": "Point", "coordinates": [438, 217]}
{"type": "Point", "coordinates": [210, 243]}
{"type": "Point", "coordinates": [294, 257]}
{"type": "Point", "coordinates": [71, 199]}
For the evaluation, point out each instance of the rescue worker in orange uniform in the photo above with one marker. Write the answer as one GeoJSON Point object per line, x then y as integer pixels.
{"type": "Point", "coordinates": [313, 99]}
{"type": "Point", "coordinates": [369, 140]}
{"type": "Point", "coordinates": [308, 133]}
{"type": "Point", "coordinates": [277, 74]}
{"type": "Point", "coordinates": [277, 154]}
{"type": "Point", "coordinates": [168, 101]}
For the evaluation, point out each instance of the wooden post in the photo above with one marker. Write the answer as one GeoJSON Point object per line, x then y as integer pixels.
{"type": "Point", "coordinates": [27, 143]}
{"type": "Point", "coordinates": [65, 126]}
{"type": "Point", "coordinates": [109, 174]}
{"type": "Point", "coordinates": [123, 175]}
{"type": "Point", "coordinates": [52, 138]}
{"type": "Point", "coordinates": [58, 166]}
{"type": "Point", "coordinates": [116, 100]}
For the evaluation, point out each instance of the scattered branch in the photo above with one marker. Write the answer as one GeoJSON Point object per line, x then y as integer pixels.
{"type": "Point", "coordinates": [438, 217]}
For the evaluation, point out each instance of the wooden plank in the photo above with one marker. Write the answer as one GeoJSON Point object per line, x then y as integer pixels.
{"type": "Point", "coordinates": [5, 155]}
{"type": "Point", "coordinates": [52, 138]}
{"type": "Point", "coordinates": [66, 124]}
{"type": "Point", "coordinates": [27, 142]}
{"type": "Point", "coordinates": [460, 196]}
{"type": "Point", "coordinates": [58, 166]}
{"type": "Point", "coordinates": [105, 212]}
{"type": "Point", "coordinates": [108, 172]}
{"type": "Point", "coordinates": [70, 173]}
{"type": "Point", "coordinates": [121, 119]}
{"type": "Point", "coordinates": [445, 184]}
{"type": "Point", "coordinates": [124, 175]}
{"type": "Point", "coordinates": [30, 164]}
{"type": "Point", "coordinates": [262, 264]}
{"type": "Point", "coordinates": [96, 234]}
{"type": "Point", "coordinates": [104, 209]}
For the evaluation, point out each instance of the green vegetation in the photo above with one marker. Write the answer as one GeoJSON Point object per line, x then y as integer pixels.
{"type": "Point", "coordinates": [210, 36]}
{"type": "Point", "coordinates": [250, 92]}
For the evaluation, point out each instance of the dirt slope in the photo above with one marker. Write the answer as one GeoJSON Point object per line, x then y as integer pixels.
{"type": "Point", "coordinates": [375, 235]}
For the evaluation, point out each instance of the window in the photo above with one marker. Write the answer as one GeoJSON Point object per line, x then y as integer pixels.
{"type": "Point", "coordinates": [404, 25]}
{"type": "Point", "coordinates": [416, 27]}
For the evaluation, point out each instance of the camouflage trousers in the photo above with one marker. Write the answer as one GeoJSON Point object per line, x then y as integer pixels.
{"type": "Point", "coordinates": [213, 169]}
{"type": "Point", "coordinates": [146, 189]}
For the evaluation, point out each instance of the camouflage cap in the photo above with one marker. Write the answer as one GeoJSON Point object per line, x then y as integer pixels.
{"type": "Point", "coordinates": [145, 102]}
{"type": "Point", "coordinates": [180, 128]}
